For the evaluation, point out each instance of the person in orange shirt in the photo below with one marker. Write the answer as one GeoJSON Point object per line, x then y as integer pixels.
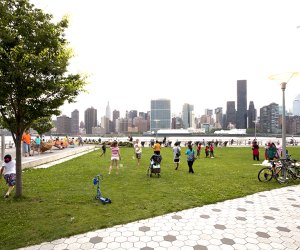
{"type": "Point", "coordinates": [156, 148]}
{"type": "Point", "coordinates": [26, 138]}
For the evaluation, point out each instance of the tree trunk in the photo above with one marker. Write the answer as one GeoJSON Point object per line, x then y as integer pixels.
{"type": "Point", "coordinates": [18, 143]}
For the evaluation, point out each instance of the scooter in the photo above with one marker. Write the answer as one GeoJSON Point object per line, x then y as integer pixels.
{"type": "Point", "coordinates": [96, 181]}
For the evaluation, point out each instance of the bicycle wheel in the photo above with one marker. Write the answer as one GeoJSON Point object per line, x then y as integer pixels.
{"type": "Point", "coordinates": [297, 171]}
{"type": "Point", "coordinates": [265, 174]}
{"type": "Point", "coordinates": [282, 175]}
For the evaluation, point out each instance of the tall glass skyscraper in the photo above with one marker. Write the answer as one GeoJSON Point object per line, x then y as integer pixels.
{"type": "Point", "coordinates": [241, 108]}
{"type": "Point", "coordinates": [187, 115]}
{"type": "Point", "coordinates": [160, 116]}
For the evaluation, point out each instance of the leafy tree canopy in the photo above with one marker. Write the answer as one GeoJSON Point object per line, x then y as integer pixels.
{"type": "Point", "coordinates": [34, 80]}
{"type": "Point", "coordinates": [43, 125]}
{"type": "Point", "coordinates": [34, 58]}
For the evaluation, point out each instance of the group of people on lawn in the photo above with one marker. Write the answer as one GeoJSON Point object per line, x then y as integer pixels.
{"type": "Point", "coordinates": [190, 153]}
{"type": "Point", "coordinates": [271, 150]}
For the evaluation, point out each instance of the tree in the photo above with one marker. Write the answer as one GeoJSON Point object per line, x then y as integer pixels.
{"type": "Point", "coordinates": [42, 125]}
{"type": "Point", "coordinates": [34, 81]}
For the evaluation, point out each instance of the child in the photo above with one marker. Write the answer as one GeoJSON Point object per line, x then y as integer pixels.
{"type": "Point", "coordinates": [177, 153]}
{"type": "Point", "coordinates": [103, 149]}
{"type": "Point", "coordinates": [206, 151]}
{"type": "Point", "coordinates": [138, 151]}
{"type": "Point", "coordinates": [211, 150]}
{"type": "Point", "coordinates": [198, 149]}
{"type": "Point", "coordinates": [8, 169]}
{"type": "Point", "coordinates": [115, 156]}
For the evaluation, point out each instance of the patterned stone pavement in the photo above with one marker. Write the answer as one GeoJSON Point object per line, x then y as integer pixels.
{"type": "Point", "coordinates": [266, 220]}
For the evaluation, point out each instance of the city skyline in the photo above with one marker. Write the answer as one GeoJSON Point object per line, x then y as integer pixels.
{"type": "Point", "coordinates": [189, 52]}
{"type": "Point", "coordinates": [224, 109]}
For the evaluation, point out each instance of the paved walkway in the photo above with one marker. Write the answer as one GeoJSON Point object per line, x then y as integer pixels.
{"type": "Point", "coordinates": [266, 220]}
{"type": "Point", "coordinates": [51, 157]}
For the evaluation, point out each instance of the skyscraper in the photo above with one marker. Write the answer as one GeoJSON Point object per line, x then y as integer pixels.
{"type": "Point", "coordinates": [160, 114]}
{"type": "Point", "coordinates": [251, 115]}
{"type": "Point", "coordinates": [269, 118]}
{"type": "Point", "coordinates": [241, 113]}
{"type": "Point", "coordinates": [230, 114]}
{"type": "Point", "coordinates": [187, 115]}
{"type": "Point", "coordinates": [75, 122]}
{"type": "Point", "coordinates": [90, 119]}
{"type": "Point", "coordinates": [63, 125]}
{"type": "Point", "coordinates": [108, 111]}
{"type": "Point", "coordinates": [219, 117]}
{"type": "Point", "coordinates": [116, 115]}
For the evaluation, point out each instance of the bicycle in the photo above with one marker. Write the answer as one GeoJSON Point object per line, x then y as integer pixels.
{"type": "Point", "coordinates": [289, 170]}
{"type": "Point", "coordinates": [268, 173]}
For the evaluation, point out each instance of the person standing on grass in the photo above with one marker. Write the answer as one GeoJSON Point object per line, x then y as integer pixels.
{"type": "Point", "coordinates": [115, 156]}
{"type": "Point", "coordinates": [211, 150]}
{"type": "Point", "coordinates": [156, 148]}
{"type": "Point", "coordinates": [8, 169]}
{"type": "Point", "coordinates": [103, 149]}
{"type": "Point", "coordinates": [177, 153]}
{"type": "Point", "coordinates": [272, 151]}
{"type": "Point", "coordinates": [138, 151]}
{"type": "Point", "coordinates": [255, 151]}
{"type": "Point", "coordinates": [198, 149]}
{"type": "Point", "coordinates": [190, 152]}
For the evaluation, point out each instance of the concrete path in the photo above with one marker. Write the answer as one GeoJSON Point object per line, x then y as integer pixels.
{"type": "Point", "coordinates": [267, 220]}
{"type": "Point", "coordinates": [51, 156]}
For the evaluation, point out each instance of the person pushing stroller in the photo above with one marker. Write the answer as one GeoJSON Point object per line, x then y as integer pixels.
{"type": "Point", "coordinates": [154, 167]}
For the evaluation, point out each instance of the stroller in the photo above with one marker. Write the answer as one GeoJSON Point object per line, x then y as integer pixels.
{"type": "Point", "coordinates": [154, 167]}
{"type": "Point", "coordinates": [96, 181]}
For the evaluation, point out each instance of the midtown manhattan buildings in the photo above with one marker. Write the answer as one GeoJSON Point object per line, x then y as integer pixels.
{"type": "Point", "coordinates": [241, 113]}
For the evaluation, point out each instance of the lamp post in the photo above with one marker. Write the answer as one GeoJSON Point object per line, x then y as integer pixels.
{"type": "Point", "coordinates": [283, 78]}
{"type": "Point", "coordinates": [255, 129]}
{"type": "Point", "coordinates": [283, 87]}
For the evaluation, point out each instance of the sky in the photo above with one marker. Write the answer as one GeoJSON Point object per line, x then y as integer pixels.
{"type": "Point", "coordinates": [188, 51]}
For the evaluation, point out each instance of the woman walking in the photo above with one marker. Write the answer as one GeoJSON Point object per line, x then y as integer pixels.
{"type": "Point", "coordinates": [190, 152]}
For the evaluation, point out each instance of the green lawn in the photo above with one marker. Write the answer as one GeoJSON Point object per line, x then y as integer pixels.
{"type": "Point", "coordinates": [59, 201]}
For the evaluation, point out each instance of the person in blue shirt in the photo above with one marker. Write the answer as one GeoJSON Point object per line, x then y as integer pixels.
{"type": "Point", "coordinates": [37, 145]}
{"type": "Point", "coordinates": [190, 152]}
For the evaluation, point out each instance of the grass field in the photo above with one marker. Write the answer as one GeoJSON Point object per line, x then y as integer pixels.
{"type": "Point", "coordinates": [60, 201]}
